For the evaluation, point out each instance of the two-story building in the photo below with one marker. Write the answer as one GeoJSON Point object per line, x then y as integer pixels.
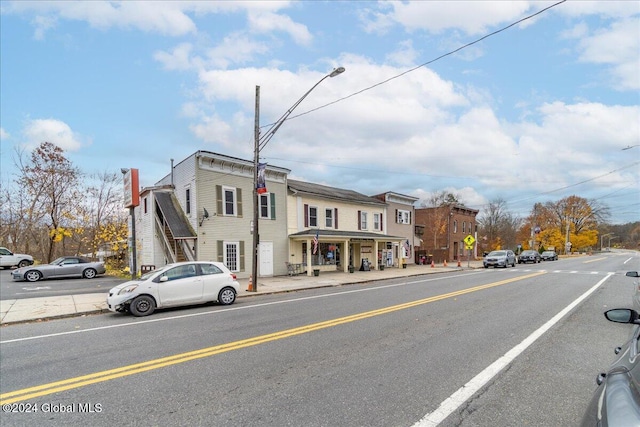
{"type": "Point", "coordinates": [401, 222]}
{"type": "Point", "coordinates": [203, 210]}
{"type": "Point", "coordinates": [445, 228]}
{"type": "Point", "coordinates": [333, 228]}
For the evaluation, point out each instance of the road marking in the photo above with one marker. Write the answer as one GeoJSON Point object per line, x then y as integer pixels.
{"type": "Point", "coordinates": [593, 260]}
{"type": "Point", "coordinates": [464, 393]}
{"type": "Point", "coordinates": [97, 377]}
{"type": "Point", "coordinates": [233, 308]}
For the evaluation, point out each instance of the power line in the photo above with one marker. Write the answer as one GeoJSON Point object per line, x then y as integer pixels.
{"type": "Point", "coordinates": [428, 62]}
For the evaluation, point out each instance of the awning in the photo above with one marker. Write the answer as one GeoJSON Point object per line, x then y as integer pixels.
{"type": "Point", "coordinates": [327, 235]}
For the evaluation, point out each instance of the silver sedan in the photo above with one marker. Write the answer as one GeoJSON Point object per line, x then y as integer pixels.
{"type": "Point", "coordinates": [67, 266]}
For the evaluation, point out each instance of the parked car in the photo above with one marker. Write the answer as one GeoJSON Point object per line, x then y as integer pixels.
{"type": "Point", "coordinates": [616, 401]}
{"type": "Point", "coordinates": [9, 259]}
{"type": "Point", "coordinates": [549, 256]}
{"type": "Point", "coordinates": [66, 266]}
{"type": "Point", "coordinates": [182, 283]}
{"type": "Point", "coordinates": [504, 258]}
{"type": "Point", "coordinates": [529, 256]}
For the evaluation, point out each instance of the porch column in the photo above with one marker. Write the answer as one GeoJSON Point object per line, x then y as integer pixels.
{"type": "Point", "coordinates": [309, 257]}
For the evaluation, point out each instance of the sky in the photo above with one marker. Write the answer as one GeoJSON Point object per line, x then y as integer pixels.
{"type": "Point", "coordinates": [489, 100]}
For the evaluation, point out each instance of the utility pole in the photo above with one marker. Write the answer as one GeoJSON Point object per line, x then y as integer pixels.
{"type": "Point", "coordinates": [253, 285]}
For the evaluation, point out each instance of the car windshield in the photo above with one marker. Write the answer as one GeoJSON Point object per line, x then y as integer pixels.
{"type": "Point", "coordinates": [57, 261]}
{"type": "Point", "coordinates": [498, 253]}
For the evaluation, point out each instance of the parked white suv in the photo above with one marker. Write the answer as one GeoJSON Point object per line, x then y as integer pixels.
{"type": "Point", "coordinates": [9, 259]}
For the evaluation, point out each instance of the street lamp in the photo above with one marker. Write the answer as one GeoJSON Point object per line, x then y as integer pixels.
{"type": "Point", "coordinates": [629, 147]}
{"type": "Point", "coordinates": [259, 143]}
{"type": "Point", "coordinates": [602, 240]}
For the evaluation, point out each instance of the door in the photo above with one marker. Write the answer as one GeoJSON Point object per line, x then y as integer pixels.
{"type": "Point", "coordinates": [180, 285]}
{"type": "Point", "coordinates": [266, 259]}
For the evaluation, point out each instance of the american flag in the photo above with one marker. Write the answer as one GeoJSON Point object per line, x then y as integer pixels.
{"type": "Point", "coordinates": [315, 242]}
{"type": "Point", "coordinates": [407, 247]}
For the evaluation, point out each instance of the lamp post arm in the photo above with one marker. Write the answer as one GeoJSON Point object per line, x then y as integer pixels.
{"type": "Point", "coordinates": [264, 140]}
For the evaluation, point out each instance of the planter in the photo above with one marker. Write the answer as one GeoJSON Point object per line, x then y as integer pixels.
{"type": "Point", "coordinates": [381, 267]}
{"type": "Point", "coordinates": [404, 265]}
{"type": "Point", "coordinates": [351, 269]}
{"type": "Point", "coordinates": [316, 272]}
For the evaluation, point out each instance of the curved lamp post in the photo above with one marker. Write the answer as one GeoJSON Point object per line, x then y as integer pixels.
{"type": "Point", "coordinates": [259, 143]}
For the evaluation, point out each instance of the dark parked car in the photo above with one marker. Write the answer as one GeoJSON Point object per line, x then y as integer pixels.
{"type": "Point", "coordinates": [549, 256]}
{"type": "Point", "coordinates": [66, 266]}
{"type": "Point", "coordinates": [529, 256]}
{"type": "Point", "coordinates": [616, 401]}
{"type": "Point", "coordinates": [504, 258]}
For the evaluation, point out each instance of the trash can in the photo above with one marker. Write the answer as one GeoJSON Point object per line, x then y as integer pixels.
{"type": "Point", "coordinates": [316, 272]}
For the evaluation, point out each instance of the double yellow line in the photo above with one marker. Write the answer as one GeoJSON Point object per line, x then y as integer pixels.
{"type": "Point", "coordinates": [77, 382]}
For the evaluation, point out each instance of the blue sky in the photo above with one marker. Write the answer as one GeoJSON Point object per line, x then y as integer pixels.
{"type": "Point", "coordinates": [535, 113]}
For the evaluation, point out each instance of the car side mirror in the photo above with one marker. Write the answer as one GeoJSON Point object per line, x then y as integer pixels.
{"type": "Point", "coordinates": [622, 315]}
{"type": "Point", "coordinates": [164, 279]}
{"type": "Point", "coordinates": [632, 274]}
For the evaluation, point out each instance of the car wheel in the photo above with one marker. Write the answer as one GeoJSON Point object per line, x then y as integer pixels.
{"type": "Point", "coordinates": [32, 276]}
{"type": "Point", "coordinates": [89, 273]}
{"type": "Point", "coordinates": [143, 305]}
{"type": "Point", "coordinates": [227, 296]}
{"type": "Point", "coordinates": [23, 263]}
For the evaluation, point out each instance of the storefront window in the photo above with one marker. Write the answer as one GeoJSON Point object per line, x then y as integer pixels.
{"type": "Point", "coordinates": [327, 254]}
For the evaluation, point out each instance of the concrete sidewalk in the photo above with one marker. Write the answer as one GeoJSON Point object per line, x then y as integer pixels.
{"type": "Point", "coordinates": [38, 309]}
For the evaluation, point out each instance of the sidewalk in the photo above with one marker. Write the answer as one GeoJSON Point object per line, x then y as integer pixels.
{"type": "Point", "coordinates": [38, 309]}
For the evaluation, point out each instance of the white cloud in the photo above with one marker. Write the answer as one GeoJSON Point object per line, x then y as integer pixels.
{"type": "Point", "coordinates": [4, 135]}
{"type": "Point", "coordinates": [170, 18]}
{"type": "Point", "coordinates": [472, 17]}
{"type": "Point", "coordinates": [405, 55]}
{"type": "Point", "coordinates": [267, 22]}
{"type": "Point", "coordinates": [178, 59]}
{"type": "Point", "coordinates": [55, 131]}
{"type": "Point", "coordinates": [617, 46]}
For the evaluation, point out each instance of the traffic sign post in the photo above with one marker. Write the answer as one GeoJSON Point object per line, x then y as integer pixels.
{"type": "Point", "coordinates": [468, 243]}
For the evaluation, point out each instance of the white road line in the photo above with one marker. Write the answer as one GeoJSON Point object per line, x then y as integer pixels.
{"type": "Point", "coordinates": [453, 402]}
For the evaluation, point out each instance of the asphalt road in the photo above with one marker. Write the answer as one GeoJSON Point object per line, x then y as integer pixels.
{"type": "Point", "coordinates": [392, 353]}
{"type": "Point", "coordinates": [10, 289]}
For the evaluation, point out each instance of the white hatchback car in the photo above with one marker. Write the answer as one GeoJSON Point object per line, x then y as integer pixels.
{"type": "Point", "coordinates": [182, 283]}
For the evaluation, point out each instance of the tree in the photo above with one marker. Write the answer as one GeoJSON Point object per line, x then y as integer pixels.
{"type": "Point", "coordinates": [50, 185]}
{"type": "Point", "coordinates": [497, 226]}
{"type": "Point", "coordinates": [573, 217]}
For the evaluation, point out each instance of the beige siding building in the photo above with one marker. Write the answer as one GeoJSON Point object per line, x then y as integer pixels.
{"type": "Point", "coordinates": [334, 229]}
{"type": "Point", "coordinates": [204, 210]}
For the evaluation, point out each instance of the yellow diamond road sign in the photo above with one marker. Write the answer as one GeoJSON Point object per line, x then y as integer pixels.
{"type": "Point", "coordinates": [469, 240]}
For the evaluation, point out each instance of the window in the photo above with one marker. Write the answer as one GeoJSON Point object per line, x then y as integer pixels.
{"type": "Point", "coordinates": [328, 218]}
{"type": "Point", "coordinates": [144, 203]}
{"type": "Point", "coordinates": [464, 224]}
{"type": "Point", "coordinates": [229, 201]}
{"type": "Point", "coordinates": [187, 200]}
{"type": "Point", "coordinates": [181, 272]}
{"type": "Point", "coordinates": [209, 269]}
{"type": "Point", "coordinates": [455, 226]}
{"type": "Point", "coordinates": [232, 255]}
{"type": "Point", "coordinates": [403, 217]}
{"type": "Point", "coordinates": [376, 221]}
{"type": "Point", "coordinates": [313, 216]}
{"type": "Point", "coordinates": [363, 220]}
{"type": "Point", "coordinates": [268, 206]}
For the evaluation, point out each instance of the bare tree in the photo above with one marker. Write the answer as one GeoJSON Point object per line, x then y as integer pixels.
{"type": "Point", "coordinates": [50, 184]}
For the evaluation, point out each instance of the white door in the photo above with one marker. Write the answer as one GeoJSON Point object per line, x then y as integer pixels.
{"type": "Point", "coordinates": [266, 259]}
